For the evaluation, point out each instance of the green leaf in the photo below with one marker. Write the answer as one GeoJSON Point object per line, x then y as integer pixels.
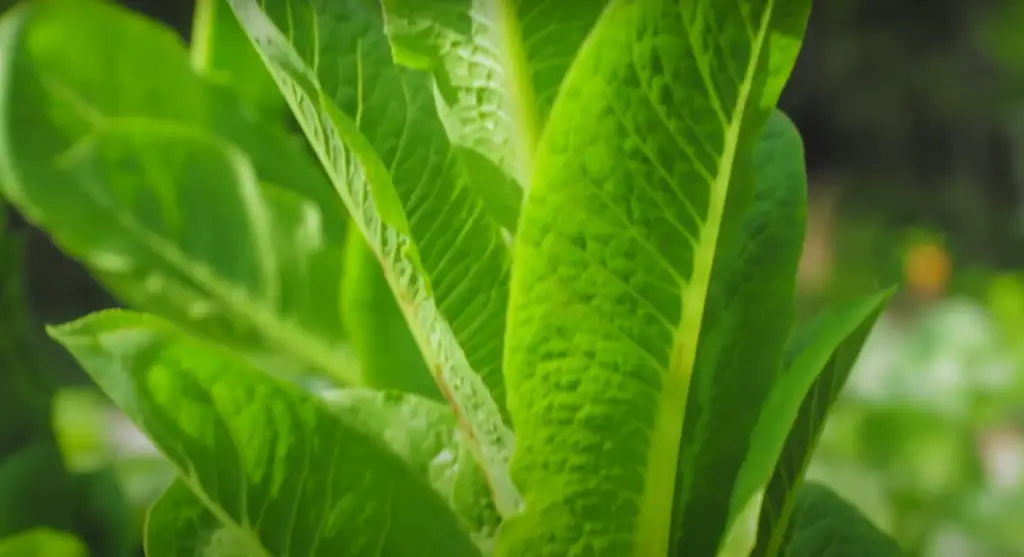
{"type": "Point", "coordinates": [222, 51]}
{"type": "Point", "coordinates": [749, 313]}
{"type": "Point", "coordinates": [389, 357]}
{"type": "Point", "coordinates": [274, 465]}
{"type": "Point", "coordinates": [789, 23]}
{"type": "Point", "coordinates": [178, 525]}
{"type": "Point", "coordinates": [423, 433]}
{"type": "Point", "coordinates": [654, 126]}
{"type": "Point", "coordinates": [310, 267]}
{"type": "Point", "coordinates": [741, 537]}
{"type": "Point", "coordinates": [498, 66]}
{"type": "Point", "coordinates": [152, 177]}
{"type": "Point", "coordinates": [42, 542]}
{"type": "Point", "coordinates": [420, 432]}
{"type": "Point", "coordinates": [375, 128]}
{"type": "Point", "coordinates": [417, 430]}
{"type": "Point", "coordinates": [820, 357]}
{"type": "Point", "coordinates": [500, 195]}
{"type": "Point", "coordinates": [414, 428]}
{"type": "Point", "coordinates": [827, 526]}
{"type": "Point", "coordinates": [465, 487]}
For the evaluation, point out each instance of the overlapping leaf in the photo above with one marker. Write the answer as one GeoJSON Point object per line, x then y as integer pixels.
{"type": "Point", "coordinates": [747, 320]}
{"type": "Point", "coordinates": [418, 431]}
{"type": "Point", "coordinates": [498, 66]}
{"type": "Point", "coordinates": [423, 433]}
{"type": "Point", "coordinates": [276, 470]}
{"type": "Point", "coordinates": [179, 525]}
{"type": "Point", "coordinates": [823, 351]}
{"type": "Point", "coordinates": [152, 177]}
{"type": "Point", "coordinates": [375, 328]}
{"type": "Point", "coordinates": [221, 50]}
{"type": "Point", "coordinates": [827, 526]}
{"type": "Point", "coordinates": [389, 357]}
{"type": "Point", "coordinates": [377, 132]}
{"type": "Point", "coordinates": [653, 130]}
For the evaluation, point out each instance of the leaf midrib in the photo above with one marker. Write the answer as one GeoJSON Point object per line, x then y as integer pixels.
{"type": "Point", "coordinates": [521, 95]}
{"type": "Point", "coordinates": [653, 536]}
{"type": "Point", "coordinates": [491, 457]}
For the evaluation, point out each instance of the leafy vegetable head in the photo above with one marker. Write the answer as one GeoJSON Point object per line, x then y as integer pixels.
{"type": "Point", "coordinates": [590, 216]}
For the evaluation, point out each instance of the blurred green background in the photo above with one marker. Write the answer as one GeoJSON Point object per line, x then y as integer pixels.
{"type": "Point", "coordinates": [913, 119]}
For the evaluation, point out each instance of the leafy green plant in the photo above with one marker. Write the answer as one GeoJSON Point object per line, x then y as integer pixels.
{"type": "Point", "coordinates": [590, 216]}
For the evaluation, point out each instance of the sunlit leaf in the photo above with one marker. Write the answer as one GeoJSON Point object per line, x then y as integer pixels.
{"type": "Point", "coordinates": [653, 130]}
{"type": "Point", "coordinates": [747, 319]}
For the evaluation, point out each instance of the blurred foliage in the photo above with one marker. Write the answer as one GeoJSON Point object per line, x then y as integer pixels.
{"type": "Point", "coordinates": [929, 437]}
{"type": "Point", "coordinates": [37, 489]}
{"type": "Point", "coordinates": [913, 116]}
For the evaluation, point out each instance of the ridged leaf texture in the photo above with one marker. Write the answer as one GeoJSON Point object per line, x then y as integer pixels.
{"type": "Point", "coordinates": [389, 357]}
{"type": "Point", "coordinates": [498, 66]}
{"type": "Point", "coordinates": [268, 469]}
{"type": "Point", "coordinates": [641, 184]}
{"type": "Point", "coordinates": [747, 319]}
{"type": "Point", "coordinates": [376, 130]}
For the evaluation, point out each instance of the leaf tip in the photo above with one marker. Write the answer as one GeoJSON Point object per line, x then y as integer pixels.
{"type": "Point", "coordinates": [90, 326]}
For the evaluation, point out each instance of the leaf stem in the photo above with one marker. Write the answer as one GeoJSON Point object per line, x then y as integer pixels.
{"type": "Point", "coordinates": [202, 35]}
